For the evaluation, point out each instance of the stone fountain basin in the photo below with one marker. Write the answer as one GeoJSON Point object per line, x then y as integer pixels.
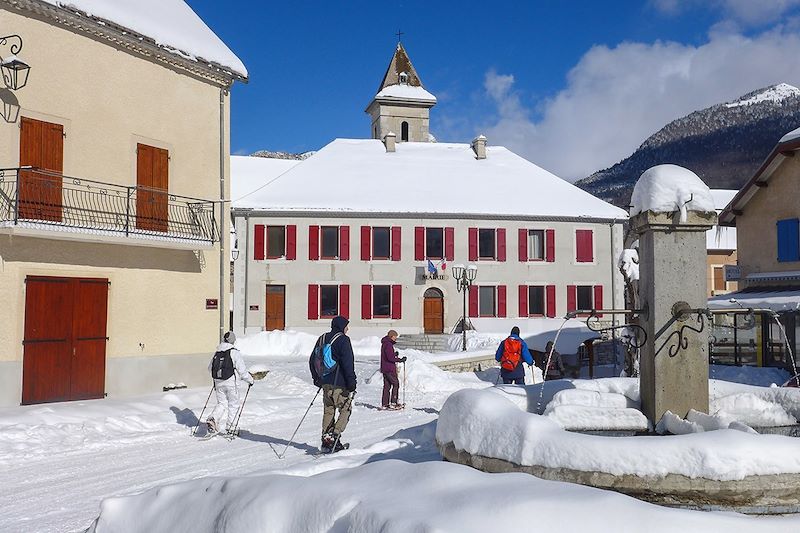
{"type": "Point", "coordinates": [716, 470]}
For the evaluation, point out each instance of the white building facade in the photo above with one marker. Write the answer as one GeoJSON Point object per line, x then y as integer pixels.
{"type": "Point", "coordinates": [370, 229]}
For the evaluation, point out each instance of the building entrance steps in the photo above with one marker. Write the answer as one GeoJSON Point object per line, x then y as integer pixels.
{"type": "Point", "coordinates": [425, 342]}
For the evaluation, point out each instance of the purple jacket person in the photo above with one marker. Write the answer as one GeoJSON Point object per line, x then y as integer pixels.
{"type": "Point", "coordinates": [389, 360]}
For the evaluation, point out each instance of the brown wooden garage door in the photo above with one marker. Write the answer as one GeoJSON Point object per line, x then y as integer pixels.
{"type": "Point", "coordinates": [65, 339]}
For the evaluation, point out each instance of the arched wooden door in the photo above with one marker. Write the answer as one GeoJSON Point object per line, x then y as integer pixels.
{"type": "Point", "coordinates": [433, 311]}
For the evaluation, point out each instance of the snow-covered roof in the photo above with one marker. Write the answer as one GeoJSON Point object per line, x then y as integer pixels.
{"type": "Point", "coordinates": [170, 23]}
{"type": "Point", "coordinates": [777, 300]}
{"type": "Point", "coordinates": [250, 175]}
{"type": "Point", "coordinates": [405, 92]}
{"type": "Point", "coordinates": [670, 188]}
{"type": "Point", "coordinates": [359, 175]}
{"type": "Point", "coordinates": [792, 135]}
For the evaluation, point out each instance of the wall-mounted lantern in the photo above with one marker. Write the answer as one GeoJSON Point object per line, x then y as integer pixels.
{"type": "Point", "coordinates": [14, 70]}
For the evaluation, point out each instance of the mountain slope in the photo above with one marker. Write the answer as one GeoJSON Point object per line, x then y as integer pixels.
{"type": "Point", "coordinates": [724, 144]}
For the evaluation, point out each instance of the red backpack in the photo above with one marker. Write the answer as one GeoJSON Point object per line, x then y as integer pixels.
{"type": "Point", "coordinates": [512, 353]}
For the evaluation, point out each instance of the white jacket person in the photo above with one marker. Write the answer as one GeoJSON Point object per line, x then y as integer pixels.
{"type": "Point", "coordinates": [227, 393]}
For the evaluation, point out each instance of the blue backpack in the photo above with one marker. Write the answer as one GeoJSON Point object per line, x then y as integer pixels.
{"type": "Point", "coordinates": [324, 363]}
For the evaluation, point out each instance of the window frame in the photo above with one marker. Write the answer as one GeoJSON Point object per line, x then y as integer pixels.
{"type": "Point", "coordinates": [322, 242]}
{"type": "Point", "coordinates": [267, 240]}
{"type": "Point", "coordinates": [374, 301]}
{"type": "Point", "coordinates": [485, 289]}
{"type": "Point", "coordinates": [543, 238]}
{"type": "Point", "coordinates": [543, 300]}
{"type": "Point", "coordinates": [427, 241]}
{"type": "Point", "coordinates": [593, 250]}
{"type": "Point", "coordinates": [484, 231]}
{"type": "Point", "coordinates": [388, 243]}
{"type": "Point", "coordinates": [335, 288]}
{"type": "Point", "coordinates": [578, 296]}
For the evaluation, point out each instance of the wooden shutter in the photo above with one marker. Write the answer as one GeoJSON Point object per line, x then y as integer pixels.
{"type": "Point", "coordinates": [522, 246]}
{"type": "Point", "coordinates": [598, 297]}
{"type": "Point", "coordinates": [344, 243]}
{"type": "Point", "coordinates": [419, 243]}
{"type": "Point", "coordinates": [366, 302]}
{"type": "Point", "coordinates": [550, 245]}
{"type": "Point", "coordinates": [550, 300]}
{"type": "Point", "coordinates": [313, 302]}
{"type": "Point", "coordinates": [396, 243]}
{"type": "Point", "coordinates": [501, 301]}
{"type": "Point", "coordinates": [152, 180]}
{"type": "Point", "coordinates": [41, 145]}
{"type": "Point", "coordinates": [501, 244]}
{"type": "Point", "coordinates": [258, 242]}
{"type": "Point", "coordinates": [313, 243]}
{"type": "Point", "coordinates": [344, 300]}
{"type": "Point", "coordinates": [788, 240]}
{"type": "Point", "coordinates": [397, 302]}
{"type": "Point", "coordinates": [473, 300]}
{"type": "Point", "coordinates": [583, 245]}
{"type": "Point", "coordinates": [473, 244]}
{"type": "Point", "coordinates": [572, 297]}
{"type": "Point", "coordinates": [523, 300]}
{"type": "Point", "coordinates": [449, 244]}
{"type": "Point", "coordinates": [366, 243]}
{"type": "Point", "coordinates": [291, 242]}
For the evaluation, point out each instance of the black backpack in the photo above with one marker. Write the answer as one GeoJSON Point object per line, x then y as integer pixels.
{"type": "Point", "coordinates": [222, 365]}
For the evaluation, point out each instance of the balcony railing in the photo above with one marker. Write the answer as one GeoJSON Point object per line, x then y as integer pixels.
{"type": "Point", "coordinates": [39, 198]}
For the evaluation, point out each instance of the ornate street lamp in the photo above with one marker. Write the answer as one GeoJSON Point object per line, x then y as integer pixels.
{"type": "Point", "coordinates": [464, 276]}
{"type": "Point", "coordinates": [15, 71]}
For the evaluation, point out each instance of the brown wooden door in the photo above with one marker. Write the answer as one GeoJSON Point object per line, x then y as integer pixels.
{"type": "Point", "coordinates": [152, 181]}
{"type": "Point", "coordinates": [276, 307]}
{"type": "Point", "coordinates": [65, 339]}
{"type": "Point", "coordinates": [41, 145]}
{"type": "Point", "coordinates": [433, 312]}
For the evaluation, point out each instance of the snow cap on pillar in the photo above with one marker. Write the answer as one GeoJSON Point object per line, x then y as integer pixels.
{"type": "Point", "coordinates": [479, 147]}
{"type": "Point", "coordinates": [670, 189]}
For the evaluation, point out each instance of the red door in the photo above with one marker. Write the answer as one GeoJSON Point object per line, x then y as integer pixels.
{"type": "Point", "coordinates": [152, 181]}
{"type": "Point", "coordinates": [41, 145]}
{"type": "Point", "coordinates": [65, 339]}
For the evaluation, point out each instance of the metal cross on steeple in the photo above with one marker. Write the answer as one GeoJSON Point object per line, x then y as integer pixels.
{"type": "Point", "coordinates": [399, 34]}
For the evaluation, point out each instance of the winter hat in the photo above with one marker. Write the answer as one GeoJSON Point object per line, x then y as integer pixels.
{"type": "Point", "coordinates": [392, 333]}
{"type": "Point", "coordinates": [339, 323]}
{"type": "Point", "coordinates": [229, 337]}
{"type": "Point", "coordinates": [515, 331]}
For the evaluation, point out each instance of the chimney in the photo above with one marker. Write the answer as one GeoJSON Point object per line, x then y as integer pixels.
{"type": "Point", "coordinates": [389, 140]}
{"type": "Point", "coordinates": [479, 146]}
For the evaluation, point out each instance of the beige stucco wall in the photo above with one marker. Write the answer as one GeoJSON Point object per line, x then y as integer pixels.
{"type": "Point", "coordinates": [719, 258]}
{"type": "Point", "coordinates": [297, 274]}
{"type": "Point", "coordinates": [757, 236]}
{"type": "Point", "coordinates": [108, 100]}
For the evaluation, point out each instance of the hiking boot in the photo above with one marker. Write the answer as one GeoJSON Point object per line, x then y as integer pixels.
{"type": "Point", "coordinates": [339, 445]}
{"type": "Point", "coordinates": [211, 426]}
{"type": "Point", "coordinates": [328, 440]}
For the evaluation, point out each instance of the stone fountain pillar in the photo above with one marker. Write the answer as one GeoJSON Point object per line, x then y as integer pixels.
{"type": "Point", "coordinates": [672, 276]}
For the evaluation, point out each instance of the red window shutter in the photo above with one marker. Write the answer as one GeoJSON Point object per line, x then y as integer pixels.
{"type": "Point", "coordinates": [572, 297]}
{"type": "Point", "coordinates": [366, 243]}
{"type": "Point", "coordinates": [501, 301]}
{"type": "Point", "coordinates": [313, 243]}
{"type": "Point", "coordinates": [523, 247]}
{"type": "Point", "coordinates": [419, 243]}
{"type": "Point", "coordinates": [523, 300]}
{"type": "Point", "coordinates": [449, 244]}
{"type": "Point", "coordinates": [598, 297]}
{"type": "Point", "coordinates": [396, 243]}
{"type": "Point", "coordinates": [501, 244]}
{"type": "Point", "coordinates": [291, 242]}
{"type": "Point", "coordinates": [366, 302]}
{"type": "Point", "coordinates": [344, 243]}
{"type": "Point", "coordinates": [473, 301]}
{"type": "Point", "coordinates": [550, 245]}
{"type": "Point", "coordinates": [313, 302]}
{"type": "Point", "coordinates": [473, 244]}
{"type": "Point", "coordinates": [550, 300]}
{"type": "Point", "coordinates": [397, 302]}
{"type": "Point", "coordinates": [583, 245]}
{"type": "Point", "coordinates": [344, 300]}
{"type": "Point", "coordinates": [258, 242]}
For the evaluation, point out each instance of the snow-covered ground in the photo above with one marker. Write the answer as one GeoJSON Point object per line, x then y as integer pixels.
{"type": "Point", "coordinates": [58, 462]}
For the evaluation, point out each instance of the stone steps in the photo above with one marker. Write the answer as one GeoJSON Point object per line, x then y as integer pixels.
{"type": "Point", "coordinates": [424, 342]}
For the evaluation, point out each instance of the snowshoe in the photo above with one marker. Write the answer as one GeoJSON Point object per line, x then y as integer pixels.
{"type": "Point", "coordinates": [209, 435]}
{"type": "Point", "coordinates": [398, 406]}
{"type": "Point", "coordinates": [211, 425]}
{"type": "Point", "coordinates": [339, 446]}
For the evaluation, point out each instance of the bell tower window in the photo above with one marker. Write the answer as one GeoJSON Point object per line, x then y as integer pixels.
{"type": "Point", "coordinates": [403, 78]}
{"type": "Point", "coordinates": [404, 131]}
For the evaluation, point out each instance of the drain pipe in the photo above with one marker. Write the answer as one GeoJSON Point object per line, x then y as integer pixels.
{"type": "Point", "coordinates": [246, 260]}
{"type": "Point", "coordinates": [222, 92]}
{"type": "Point", "coordinates": [613, 295]}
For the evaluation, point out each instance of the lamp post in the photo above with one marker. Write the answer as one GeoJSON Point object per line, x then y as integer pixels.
{"type": "Point", "coordinates": [14, 70]}
{"type": "Point", "coordinates": [464, 276]}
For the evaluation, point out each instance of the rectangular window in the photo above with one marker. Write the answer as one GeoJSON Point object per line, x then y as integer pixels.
{"type": "Point", "coordinates": [330, 242]}
{"type": "Point", "coordinates": [382, 301]}
{"type": "Point", "coordinates": [486, 243]}
{"type": "Point", "coordinates": [434, 243]}
{"type": "Point", "coordinates": [328, 301]}
{"type": "Point", "coordinates": [536, 300]}
{"type": "Point", "coordinates": [381, 243]}
{"type": "Point", "coordinates": [276, 241]}
{"type": "Point", "coordinates": [585, 297]}
{"type": "Point", "coordinates": [536, 245]}
{"type": "Point", "coordinates": [487, 303]}
{"type": "Point", "coordinates": [584, 246]}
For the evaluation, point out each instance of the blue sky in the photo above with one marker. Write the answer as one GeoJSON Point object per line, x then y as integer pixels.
{"type": "Point", "coordinates": [537, 76]}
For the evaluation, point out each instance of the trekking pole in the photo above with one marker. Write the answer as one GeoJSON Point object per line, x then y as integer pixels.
{"type": "Point", "coordinates": [241, 408]}
{"type": "Point", "coordinates": [291, 439]}
{"type": "Point", "coordinates": [404, 383]}
{"type": "Point", "coordinates": [203, 411]}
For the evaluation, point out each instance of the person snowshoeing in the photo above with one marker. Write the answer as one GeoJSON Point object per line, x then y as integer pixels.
{"type": "Point", "coordinates": [511, 353]}
{"type": "Point", "coordinates": [389, 360]}
{"type": "Point", "coordinates": [555, 370]}
{"type": "Point", "coordinates": [226, 366]}
{"type": "Point", "coordinates": [332, 369]}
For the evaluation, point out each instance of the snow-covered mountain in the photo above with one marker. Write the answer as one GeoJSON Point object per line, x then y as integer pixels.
{"type": "Point", "coordinates": [724, 144]}
{"type": "Point", "coordinates": [282, 155]}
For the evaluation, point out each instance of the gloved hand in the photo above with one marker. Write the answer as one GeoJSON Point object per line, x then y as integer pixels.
{"type": "Point", "coordinates": [396, 353]}
{"type": "Point", "coordinates": [403, 359]}
{"type": "Point", "coordinates": [352, 390]}
{"type": "Point", "coordinates": [318, 383]}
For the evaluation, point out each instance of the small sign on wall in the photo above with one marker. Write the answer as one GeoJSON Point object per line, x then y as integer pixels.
{"type": "Point", "coordinates": [733, 273]}
{"type": "Point", "coordinates": [254, 308]}
{"type": "Point", "coordinates": [212, 303]}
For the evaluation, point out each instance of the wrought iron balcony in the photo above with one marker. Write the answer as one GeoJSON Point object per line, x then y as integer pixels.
{"type": "Point", "coordinates": [40, 199]}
